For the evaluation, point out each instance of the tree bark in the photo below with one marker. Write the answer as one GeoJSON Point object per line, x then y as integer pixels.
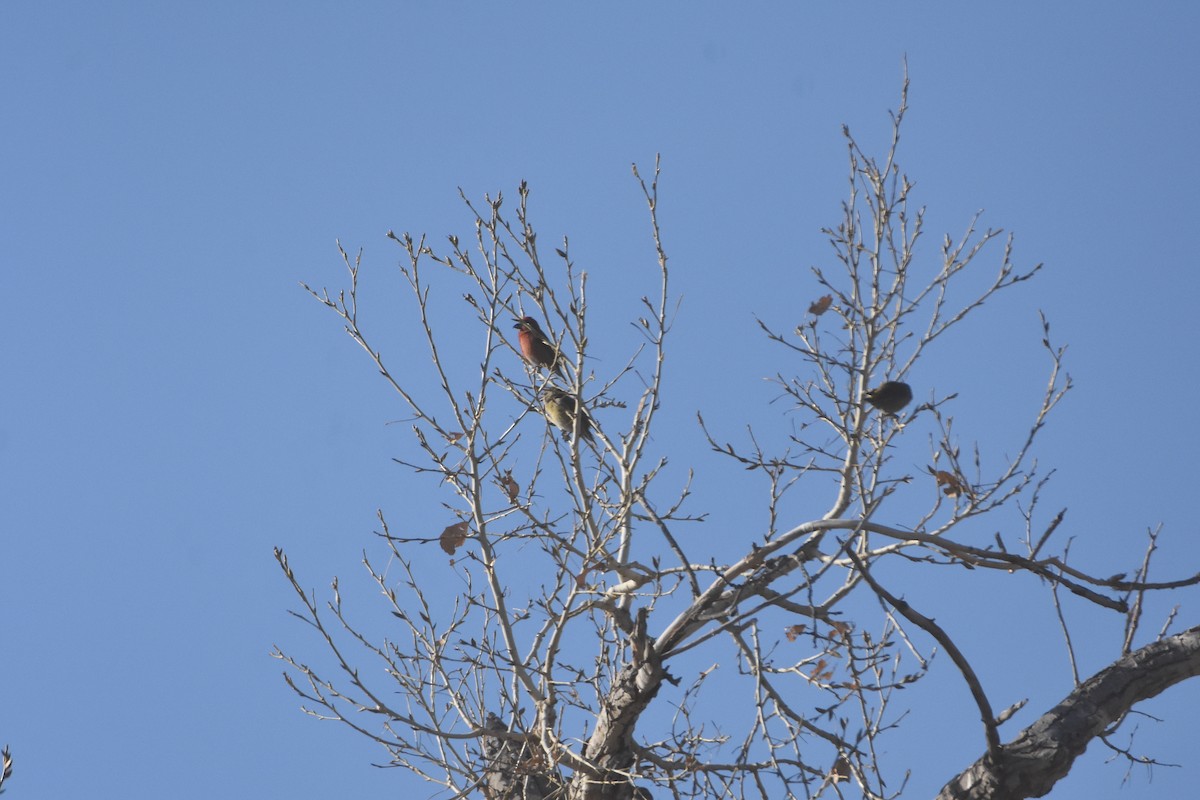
{"type": "Point", "coordinates": [1031, 764]}
{"type": "Point", "coordinates": [506, 777]}
{"type": "Point", "coordinates": [610, 747]}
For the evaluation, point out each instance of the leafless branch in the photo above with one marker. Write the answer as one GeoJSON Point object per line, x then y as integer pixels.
{"type": "Point", "coordinates": [584, 598]}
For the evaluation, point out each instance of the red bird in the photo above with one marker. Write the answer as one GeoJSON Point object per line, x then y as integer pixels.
{"type": "Point", "coordinates": [536, 348]}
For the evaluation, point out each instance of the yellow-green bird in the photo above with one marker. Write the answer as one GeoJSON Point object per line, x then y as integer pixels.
{"type": "Point", "coordinates": [559, 407]}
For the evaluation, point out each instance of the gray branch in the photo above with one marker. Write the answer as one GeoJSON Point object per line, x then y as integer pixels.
{"type": "Point", "coordinates": [1043, 753]}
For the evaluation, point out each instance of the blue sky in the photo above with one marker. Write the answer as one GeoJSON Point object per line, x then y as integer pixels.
{"type": "Point", "coordinates": [175, 405]}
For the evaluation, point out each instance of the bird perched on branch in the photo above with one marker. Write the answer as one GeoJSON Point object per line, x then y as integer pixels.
{"type": "Point", "coordinates": [889, 397]}
{"type": "Point", "coordinates": [536, 347]}
{"type": "Point", "coordinates": [559, 407]}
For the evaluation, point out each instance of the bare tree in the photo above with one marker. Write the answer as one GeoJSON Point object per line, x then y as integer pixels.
{"type": "Point", "coordinates": [582, 594]}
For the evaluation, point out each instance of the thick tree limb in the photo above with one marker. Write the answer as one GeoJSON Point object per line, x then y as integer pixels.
{"type": "Point", "coordinates": [1031, 764]}
{"type": "Point", "coordinates": [610, 746]}
{"type": "Point", "coordinates": [512, 771]}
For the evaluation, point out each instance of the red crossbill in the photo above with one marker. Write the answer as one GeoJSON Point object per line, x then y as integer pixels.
{"type": "Point", "coordinates": [536, 347]}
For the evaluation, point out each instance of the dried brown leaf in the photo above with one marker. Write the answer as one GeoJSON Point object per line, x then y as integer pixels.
{"type": "Point", "coordinates": [453, 537]}
{"type": "Point", "coordinates": [951, 485]}
{"type": "Point", "coordinates": [510, 486]}
{"type": "Point", "coordinates": [821, 305]}
{"type": "Point", "coordinates": [581, 578]}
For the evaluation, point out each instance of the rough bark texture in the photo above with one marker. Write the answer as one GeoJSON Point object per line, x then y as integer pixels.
{"type": "Point", "coordinates": [1031, 764]}
{"type": "Point", "coordinates": [610, 747]}
{"type": "Point", "coordinates": [514, 772]}
{"type": "Point", "coordinates": [509, 775]}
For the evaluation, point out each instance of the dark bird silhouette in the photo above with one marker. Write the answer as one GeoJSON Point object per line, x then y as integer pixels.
{"type": "Point", "coordinates": [536, 347]}
{"type": "Point", "coordinates": [889, 397]}
{"type": "Point", "coordinates": [559, 407]}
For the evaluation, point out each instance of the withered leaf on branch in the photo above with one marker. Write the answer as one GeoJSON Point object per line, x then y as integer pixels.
{"type": "Point", "coordinates": [581, 578]}
{"type": "Point", "coordinates": [792, 632]}
{"type": "Point", "coordinates": [510, 486]}
{"type": "Point", "coordinates": [453, 537]}
{"type": "Point", "coordinates": [951, 485]}
{"type": "Point", "coordinates": [821, 305]}
{"type": "Point", "coordinates": [821, 671]}
{"type": "Point", "coordinates": [843, 628]}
